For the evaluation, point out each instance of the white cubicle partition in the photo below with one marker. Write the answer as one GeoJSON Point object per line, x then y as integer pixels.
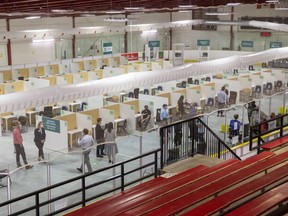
{"type": "Point", "coordinates": [106, 115]}
{"type": "Point", "coordinates": [193, 95]}
{"type": "Point", "coordinates": [55, 140]}
{"type": "Point", "coordinates": [150, 104]}
{"type": "Point", "coordinates": [95, 102]}
{"type": "Point", "coordinates": [83, 121]}
{"type": "Point", "coordinates": [64, 68]}
{"type": "Point", "coordinates": [35, 83]}
{"type": "Point", "coordinates": [257, 79]}
{"type": "Point", "coordinates": [74, 67]}
{"type": "Point", "coordinates": [280, 74]}
{"type": "Point", "coordinates": [92, 76]}
{"type": "Point", "coordinates": [157, 101]}
{"type": "Point", "coordinates": [245, 82]}
{"type": "Point", "coordinates": [268, 77]}
{"type": "Point", "coordinates": [156, 65]}
{"type": "Point", "coordinates": [128, 112]}
{"type": "Point", "coordinates": [112, 62]}
{"type": "Point", "coordinates": [208, 91]}
{"type": "Point", "coordinates": [110, 72]}
{"type": "Point", "coordinates": [78, 78]}
{"type": "Point", "coordinates": [174, 97]}
{"type": "Point", "coordinates": [60, 80]}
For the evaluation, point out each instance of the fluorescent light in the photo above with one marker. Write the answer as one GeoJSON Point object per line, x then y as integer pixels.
{"type": "Point", "coordinates": [87, 15]}
{"type": "Point", "coordinates": [186, 6]}
{"type": "Point", "coordinates": [281, 8]}
{"type": "Point", "coordinates": [43, 40]}
{"type": "Point", "coordinates": [115, 19]}
{"type": "Point", "coordinates": [217, 14]}
{"type": "Point", "coordinates": [233, 4]}
{"type": "Point", "coordinates": [114, 12]}
{"type": "Point", "coordinates": [272, 1]}
{"type": "Point", "coordinates": [33, 17]}
{"type": "Point", "coordinates": [149, 31]}
{"type": "Point", "coordinates": [181, 11]}
{"type": "Point", "coordinates": [134, 8]}
{"type": "Point", "coordinates": [61, 11]}
{"type": "Point", "coordinates": [36, 30]}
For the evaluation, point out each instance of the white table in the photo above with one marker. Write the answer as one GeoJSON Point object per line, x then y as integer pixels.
{"type": "Point", "coordinates": [74, 106]}
{"type": "Point", "coordinates": [7, 118]}
{"type": "Point", "coordinates": [29, 115]}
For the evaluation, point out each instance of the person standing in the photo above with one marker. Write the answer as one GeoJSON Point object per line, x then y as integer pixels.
{"type": "Point", "coordinates": [164, 112]}
{"type": "Point", "coordinates": [19, 148]}
{"type": "Point", "coordinates": [222, 99]}
{"type": "Point", "coordinates": [39, 139]}
{"type": "Point", "coordinates": [86, 142]}
{"type": "Point", "coordinates": [180, 104]}
{"type": "Point", "coordinates": [99, 132]}
{"type": "Point", "coordinates": [111, 148]}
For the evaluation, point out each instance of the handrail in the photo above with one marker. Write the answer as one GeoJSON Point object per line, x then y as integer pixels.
{"type": "Point", "coordinates": [84, 187]}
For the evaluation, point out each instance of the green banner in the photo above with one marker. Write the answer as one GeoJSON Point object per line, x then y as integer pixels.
{"type": "Point", "coordinates": [51, 124]}
{"type": "Point", "coordinates": [153, 44]}
{"type": "Point", "coordinates": [246, 43]}
{"type": "Point", "coordinates": [203, 42]}
{"type": "Point", "coordinates": [275, 44]}
{"type": "Point", "coordinates": [107, 48]}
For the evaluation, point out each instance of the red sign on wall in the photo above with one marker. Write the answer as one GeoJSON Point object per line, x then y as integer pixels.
{"type": "Point", "coordinates": [131, 56]}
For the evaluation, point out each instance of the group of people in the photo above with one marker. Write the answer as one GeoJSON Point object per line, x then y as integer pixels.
{"type": "Point", "coordinates": [106, 144]}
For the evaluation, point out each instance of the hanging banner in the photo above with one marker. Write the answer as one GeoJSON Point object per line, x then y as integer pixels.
{"type": "Point", "coordinates": [131, 56]}
{"type": "Point", "coordinates": [107, 48]}
{"type": "Point", "coordinates": [275, 44]}
{"type": "Point", "coordinates": [246, 43]}
{"type": "Point", "coordinates": [153, 44]}
{"type": "Point", "coordinates": [203, 42]}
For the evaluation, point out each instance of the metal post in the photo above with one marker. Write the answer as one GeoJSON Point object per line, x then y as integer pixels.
{"type": "Point", "coordinates": [242, 137]}
{"type": "Point", "coordinates": [122, 177]}
{"type": "Point", "coordinates": [141, 159]}
{"type": "Point", "coordinates": [83, 165]}
{"type": "Point", "coordinates": [113, 162]}
{"type": "Point", "coordinates": [9, 193]}
{"type": "Point", "coordinates": [225, 121]}
{"type": "Point", "coordinates": [270, 99]}
{"type": "Point", "coordinates": [49, 184]}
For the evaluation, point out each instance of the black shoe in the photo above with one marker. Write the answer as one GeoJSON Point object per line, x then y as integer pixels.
{"type": "Point", "coordinates": [99, 156]}
{"type": "Point", "coordinates": [79, 169]}
{"type": "Point", "coordinates": [110, 161]}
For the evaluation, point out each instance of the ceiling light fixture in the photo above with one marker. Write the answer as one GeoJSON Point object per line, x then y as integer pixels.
{"type": "Point", "coordinates": [233, 4]}
{"type": "Point", "coordinates": [282, 8]}
{"type": "Point", "coordinates": [186, 6]}
{"type": "Point", "coordinates": [134, 8]}
{"type": "Point", "coordinates": [61, 11]}
{"type": "Point", "coordinates": [272, 1]}
{"type": "Point", "coordinates": [217, 14]}
{"type": "Point", "coordinates": [110, 19]}
{"type": "Point", "coordinates": [149, 31]}
{"type": "Point", "coordinates": [114, 12]}
{"type": "Point", "coordinates": [33, 17]}
{"type": "Point", "coordinates": [43, 40]}
{"type": "Point", "coordinates": [87, 15]}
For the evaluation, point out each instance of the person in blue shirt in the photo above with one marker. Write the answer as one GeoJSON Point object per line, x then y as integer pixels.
{"type": "Point", "coordinates": [164, 112]}
{"type": "Point", "coordinates": [234, 127]}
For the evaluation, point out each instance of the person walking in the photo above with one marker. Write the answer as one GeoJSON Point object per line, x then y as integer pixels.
{"type": "Point", "coordinates": [19, 148]}
{"type": "Point", "coordinates": [39, 139]}
{"type": "Point", "coordinates": [222, 99]}
{"type": "Point", "coordinates": [99, 132]}
{"type": "Point", "coordinates": [86, 142]}
{"type": "Point", "coordinates": [111, 148]}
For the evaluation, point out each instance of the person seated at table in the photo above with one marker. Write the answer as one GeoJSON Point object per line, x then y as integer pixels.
{"type": "Point", "coordinates": [164, 112]}
{"type": "Point", "coordinates": [234, 128]}
{"type": "Point", "coordinates": [180, 104]}
{"type": "Point", "coordinates": [145, 117]}
{"type": "Point", "coordinates": [192, 110]}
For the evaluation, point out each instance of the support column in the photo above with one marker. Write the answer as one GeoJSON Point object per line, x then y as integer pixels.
{"type": "Point", "coordinates": [231, 30]}
{"type": "Point", "coordinates": [73, 39]}
{"type": "Point", "coordinates": [126, 37]}
{"type": "Point", "coordinates": [170, 33]}
{"type": "Point", "coordinates": [9, 53]}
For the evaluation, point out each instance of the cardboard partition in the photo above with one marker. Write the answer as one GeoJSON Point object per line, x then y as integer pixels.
{"type": "Point", "coordinates": [133, 68]}
{"type": "Point", "coordinates": [68, 78]}
{"type": "Point", "coordinates": [2, 91]}
{"type": "Point", "coordinates": [100, 63]}
{"type": "Point", "coordinates": [166, 95]}
{"type": "Point", "coordinates": [74, 67]}
{"type": "Point", "coordinates": [70, 119]}
{"type": "Point", "coordinates": [154, 101]}
{"type": "Point", "coordinates": [134, 103]}
{"type": "Point", "coordinates": [60, 80]}
{"type": "Point", "coordinates": [128, 112]}
{"type": "Point", "coordinates": [167, 64]}
{"type": "Point", "coordinates": [156, 65]}
{"type": "Point", "coordinates": [268, 77]}
{"type": "Point", "coordinates": [24, 72]}
{"type": "Point", "coordinates": [90, 64]}
{"type": "Point", "coordinates": [6, 75]}
{"type": "Point", "coordinates": [113, 61]}
{"type": "Point", "coordinates": [52, 80]}
{"type": "Point", "coordinates": [51, 69]}
{"type": "Point", "coordinates": [92, 76]}
{"type": "Point", "coordinates": [245, 82]}
{"type": "Point", "coordinates": [93, 113]}
{"type": "Point", "coordinates": [125, 68]}
{"type": "Point", "coordinates": [257, 79]}
{"type": "Point", "coordinates": [145, 66]}
{"type": "Point", "coordinates": [279, 74]}
{"type": "Point", "coordinates": [13, 87]}
{"type": "Point", "coordinates": [80, 77]}
{"type": "Point", "coordinates": [115, 108]}
{"type": "Point", "coordinates": [98, 72]}
{"type": "Point", "coordinates": [56, 134]}
{"type": "Point", "coordinates": [106, 115]}
{"type": "Point", "coordinates": [81, 65]}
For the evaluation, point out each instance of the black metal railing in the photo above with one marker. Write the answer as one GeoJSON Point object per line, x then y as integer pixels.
{"type": "Point", "coordinates": [189, 137]}
{"type": "Point", "coordinates": [257, 133]}
{"type": "Point", "coordinates": [84, 186]}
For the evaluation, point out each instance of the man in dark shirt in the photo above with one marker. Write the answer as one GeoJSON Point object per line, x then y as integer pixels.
{"type": "Point", "coordinates": [145, 117]}
{"type": "Point", "coordinates": [99, 132]}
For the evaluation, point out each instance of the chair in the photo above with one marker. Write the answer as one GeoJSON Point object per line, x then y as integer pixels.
{"type": "Point", "coordinates": [190, 80]}
{"type": "Point", "coordinates": [47, 112]}
{"type": "Point", "coordinates": [196, 82]}
{"type": "Point", "coordinates": [210, 103]}
{"type": "Point", "coordinates": [21, 78]}
{"type": "Point", "coordinates": [2, 176]}
{"type": "Point", "coordinates": [251, 67]}
{"type": "Point", "coordinates": [278, 85]}
{"type": "Point", "coordinates": [121, 126]}
{"type": "Point", "coordinates": [183, 84]}
{"type": "Point", "coordinates": [64, 108]}
{"type": "Point", "coordinates": [136, 93]}
{"type": "Point", "coordinates": [233, 97]}
{"type": "Point", "coordinates": [264, 64]}
{"type": "Point", "coordinates": [146, 92]}
{"type": "Point", "coordinates": [23, 121]}
{"type": "Point", "coordinates": [257, 91]}
{"type": "Point", "coordinates": [208, 79]}
{"type": "Point", "coordinates": [131, 95]}
{"type": "Point", "coordinates": [269, 88]}
{"type": "Point", "coordinates": [160, 88]}
{"type": "Point", "coordinates": [157, 119]}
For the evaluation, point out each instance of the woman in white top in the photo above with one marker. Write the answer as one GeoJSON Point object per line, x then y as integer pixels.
{"type": "Point", "coordinates": [111, 148]}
